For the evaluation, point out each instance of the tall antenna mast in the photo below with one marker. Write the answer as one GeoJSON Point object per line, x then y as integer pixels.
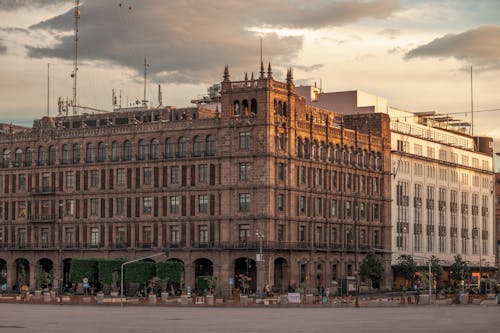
{"type": "Point", "coordinates": [146, 65]}
{"type": "Point", "coordinates": [471, 103]}
{"type": "Point", "coordinates": [75, 62]}
{"type": "Point", "coordinates": [261, 49]}
{"type": "Point", "coordinates": [48, 87]}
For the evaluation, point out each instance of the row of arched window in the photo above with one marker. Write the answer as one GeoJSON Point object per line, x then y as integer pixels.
{"type": "Point", "coordinates": [341, 155]}
{"type": "Point", "coordinates": [244, 107]}
{"type": "Point", "coordinates": [120, 151]}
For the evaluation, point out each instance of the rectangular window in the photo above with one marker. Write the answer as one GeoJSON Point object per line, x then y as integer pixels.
{"type": "Point", "coordinates": [174, 204]}
{"type": "Point", "coordinates": [202, 173]}
{"type": "Point", "coordinates": [244, 233]}
{"type": "Point", "coordinates": [121, 239]}
{"type": "Point", "coordinates": [334, 208]}
{"type": "Point", "coordinates": [302, 233]}
{"type": "Point", "coordinates": [281, 232]}
{"type": "Point", "coordinates": [69, 179]}
{"type": "Point", "coordinates": [94, 236]}
{"type": "Point", "coordinates": [120, 177]}
{"type": "Point", "coordinates": [245, 138]}
{"type": "Point", "coordinates": [175, 235]}
{"type": "Point", "coordinates": [94, 178]}
{"type": "Point", "coordinates": [244, 171]}
{"type": "Point", "coordinates": [244, 202]}
{"type": "Point", "coordinates": [69, 237]}
{"type": "Point", "coordinates": [280, 202]}
{"type": "Point", "coordinates": [202, 203]}
{"type": "Point", "coordinates": [146, 205]}
{"type": "Point", "coordinates": [69, 207]}
{"type": "Point", "coordinates": [348, 210]}
{"type": "Point", "coordinates": [22, 182]}
{"type": "Point", "coordinates": [94, 206]}
{"type": "Point", "coordinates": [120, 206]}
{"type": "Point", "coordinates": [147, 240]}
{"type": "Point", "coordinates": [203, 233]}
{"type": "Point", "coordinates": [21, 209]}
{"type": "Point", "coordinates": [147, 176]}
{"type": "Point", "coordinates": [302, 204]}
{"type": "Point", "coordinates": [281, 171]}
{"type": "Point", "coordinates": [174, 175]}
{"type": "Point", "coordinates": [44, 237]}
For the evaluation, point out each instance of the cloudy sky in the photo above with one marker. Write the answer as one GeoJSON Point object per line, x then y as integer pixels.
{"type": "Point", "coordinates": [417, 54]}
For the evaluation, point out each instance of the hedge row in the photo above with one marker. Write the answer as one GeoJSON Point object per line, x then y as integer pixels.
{"type": "Point", "coordinates": [107, 271]}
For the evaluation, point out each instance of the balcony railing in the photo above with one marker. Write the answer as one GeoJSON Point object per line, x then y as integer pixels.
{"type": "Point", "coordinates": [43, 218]}
{"type": "Point", "coordinates": [242, 246]}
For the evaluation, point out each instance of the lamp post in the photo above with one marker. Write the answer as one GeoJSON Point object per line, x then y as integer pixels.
{"type": "Point", "coordinates": [415, 256]}
{"type": "Point", "coordinates": [132, 261]}
{"type": "Point", "coordinates": [260, 261]}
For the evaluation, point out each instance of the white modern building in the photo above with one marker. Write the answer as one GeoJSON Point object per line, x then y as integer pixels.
{"type": "Point", "coordinates": [442, 182]}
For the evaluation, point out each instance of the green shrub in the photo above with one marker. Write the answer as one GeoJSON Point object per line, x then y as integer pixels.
{"type": "Point", "coordinates": [83, 268]}
{"type": "Point", "coordinates": [109, 271]}
{"type": "Point", "coordinates": [139, 272]}
{"type": "Point", "coordinates": [170, 271]}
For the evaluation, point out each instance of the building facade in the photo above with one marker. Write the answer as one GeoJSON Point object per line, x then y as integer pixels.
{"type": "Point", "coordinates": [256, 172]}
{"type": "Point", "coordinates": [442, 183]}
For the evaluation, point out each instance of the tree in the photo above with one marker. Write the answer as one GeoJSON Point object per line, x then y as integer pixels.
{"type": "Point", "coordinates": [83, 268]}
{"type": "Point", "coordinates": [407, 267]}
{"type": "Point", "coordinates": [372, 268]}
{"type": "Point", "coordinates": [169, 272]}
{"type": "Point", "coordinates": [109, 272]}
{"type": "Point", "coordinates": [459, 270]}
{"type": "Point", "coordinates": [437, 271]}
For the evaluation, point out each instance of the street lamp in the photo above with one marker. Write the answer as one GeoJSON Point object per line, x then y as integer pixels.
{"type": "Point", "coordinates": [415, 256]}
{"type": "Point", "coordinates": [260, 260]}
{"type": "Point", "coordinates": [132, 261]}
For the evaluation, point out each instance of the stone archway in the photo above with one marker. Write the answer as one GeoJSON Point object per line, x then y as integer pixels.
{"type": "Point", "coordinates": [281, 274]}
{"type": "Point", "coordinates": [245, 274]}
{"type": "Point", "coordinates": [3, 275]}
{"type": "Point", "coordinates": [66, 278]}
{"type": "Point", "coordinates": [203, 274]}
{"type": "Point", "coordinates": [22, 273]}
{"type": "Point", "coordinates": [44, 275]}
{"type": "Point", "coordinates": [176, 286]}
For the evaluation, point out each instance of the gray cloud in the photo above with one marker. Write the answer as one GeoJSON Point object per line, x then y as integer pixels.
{"type": "Point", "coordinates": [3, 48]}
{"type": "Point", "coordinates": [395, 50]}
{"type": "Point", "coordinates": [310, 68]}
{"type": "Point", "coordinates": [190, 41]}
{"type": "Point", "coordinates": [9, 5]}
{"type": "Point", "coordinates": [390, 33]}
{"type": "Point", "coordinates": [479, 47]}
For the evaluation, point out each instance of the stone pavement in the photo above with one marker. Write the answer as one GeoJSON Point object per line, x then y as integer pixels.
{"type": "Point", "coordinates": [78, 319]}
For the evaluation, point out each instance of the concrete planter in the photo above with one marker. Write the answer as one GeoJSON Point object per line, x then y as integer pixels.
{"type": "Point", "coordinates": [46, 297]}
{"type": "Point", "coordinates": [283, 299]}
{"type": "Point", "coordinates": [100, 298]}
{"type": "Point", "coordinates": [309, 299]}
{"type": "Point", "coordinates": [164, 298]}
{"type": "Point", "coordinates": [244, 300]}
{"type": "Point", "coordinates": [38, 294]}
{"type": "Point", "coordinates": [152, 299]}
{"type": "Point", "coordinates": [184, 299]}
{"type": "Point", "coordinates": [210, 299]}
{"type": "Point", "coordinates": [114, 293]}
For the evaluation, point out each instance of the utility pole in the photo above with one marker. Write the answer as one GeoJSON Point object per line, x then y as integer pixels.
{"type": "Point", "coordinates": [260, 261]}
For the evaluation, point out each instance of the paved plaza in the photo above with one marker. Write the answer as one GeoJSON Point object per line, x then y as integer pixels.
{"type": "Point", "coordinates": [18, 318]}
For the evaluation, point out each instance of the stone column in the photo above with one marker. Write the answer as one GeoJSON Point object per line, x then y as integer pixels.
{"type": "Point", "coordinates": [11, 274]}
{"type": "Point", "coordinates": [189, 278]}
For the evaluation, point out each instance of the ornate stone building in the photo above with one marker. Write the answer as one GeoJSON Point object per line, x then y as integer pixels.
{"type": "Point", "coordinates": [256, 171]}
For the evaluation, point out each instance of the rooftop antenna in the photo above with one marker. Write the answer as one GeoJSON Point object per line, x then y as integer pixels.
{"type": "Point", "coordinates": [146, 65]}
{"type": "Point", "coordinates": [75, 61]}
{"type": "Point", "coordinates": [48, 88]}
{"type": "Point", "coordinates": [471, 103]}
